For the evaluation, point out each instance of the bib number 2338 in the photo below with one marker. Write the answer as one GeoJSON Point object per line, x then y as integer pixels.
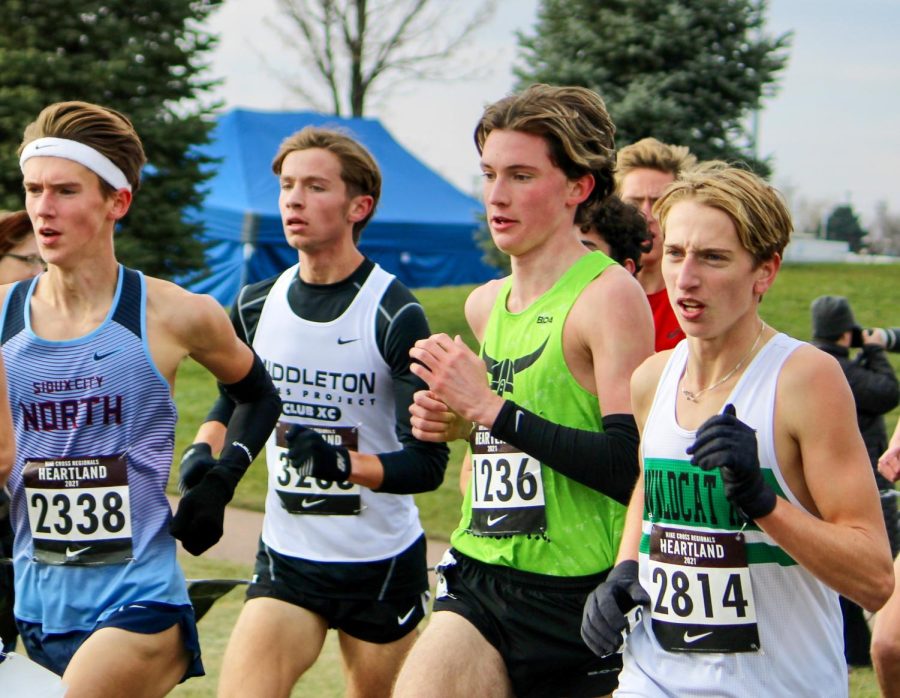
{"type": "Point", "coordinates": [79, 510]}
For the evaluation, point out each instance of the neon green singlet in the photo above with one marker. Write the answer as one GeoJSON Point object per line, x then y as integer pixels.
{"type": "Point", "coordinates": [523, 514]}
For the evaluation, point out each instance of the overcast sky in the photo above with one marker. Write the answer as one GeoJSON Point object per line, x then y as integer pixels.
{"type": "Point", "coordinates": [833, 131]}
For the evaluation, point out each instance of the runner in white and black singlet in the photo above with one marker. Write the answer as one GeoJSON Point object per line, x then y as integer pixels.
{"type": "Point", "coordinates": [341, 546]}
{"type": "Point", "coordinates": [756, 504]}
{"type": "Point", "coordinates": [94, 347]}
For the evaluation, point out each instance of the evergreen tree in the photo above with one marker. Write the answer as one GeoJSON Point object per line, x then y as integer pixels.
{"type": "Point", "coordinates": [144, 58]}
{"type": "Point", "coordinates": [843, 224]}
{"type": "Point", "coordinates": [687, 72]}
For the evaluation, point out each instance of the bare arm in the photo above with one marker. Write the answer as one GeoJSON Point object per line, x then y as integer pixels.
{"type": "Point", "coordinates": [889, 463]}
{"type": "Point", "coordinates": [212, 342]}
{"type": "Point", "coordinates": [643, 386]}
{"type": "Point", "coordinates": [197, 326]}
{"type": "Point", "coordinates": [212, 433]}
{"type": "Point", "coordinates": [613, 320]}
{"type": "Point", "coordinates": [184, 324]}
{"type": "Point", "coordinates": [844, 542]}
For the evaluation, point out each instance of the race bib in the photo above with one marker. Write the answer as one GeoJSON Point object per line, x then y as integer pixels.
{"type": "Point", "coordinates": [304, 495]}
{"type": "Point", "coordinates": [79, 510]}
{"type": "Point", "coordinates": [507, 489]}
{"type": "Point", "coordinates": [702, 597]}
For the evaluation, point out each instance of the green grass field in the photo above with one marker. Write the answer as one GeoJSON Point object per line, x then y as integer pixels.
{"type": "Point", "coordinates": [874, 292]}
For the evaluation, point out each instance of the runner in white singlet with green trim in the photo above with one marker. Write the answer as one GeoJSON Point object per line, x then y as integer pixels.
{"type": "Point", "coordinates": [756, 505]}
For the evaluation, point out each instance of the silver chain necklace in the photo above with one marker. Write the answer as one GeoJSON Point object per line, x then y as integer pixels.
{"type": "Point", "coordinates": [694, 396]}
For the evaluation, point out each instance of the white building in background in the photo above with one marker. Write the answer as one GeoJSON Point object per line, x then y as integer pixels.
{"type": "Point", "coordinates": [805, 249]}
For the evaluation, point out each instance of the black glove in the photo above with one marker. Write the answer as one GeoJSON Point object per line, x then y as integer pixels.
{"type": "Point", "coordinates": [196, 461]}
{"type": "Point", "coordinates": [201, 514]}
{"type": "Point", "coordinates": [603, 624]}
{"type": "Point", "coordinates": [725, 442]}
{"type": "Point", "coordinates": [312, 456]}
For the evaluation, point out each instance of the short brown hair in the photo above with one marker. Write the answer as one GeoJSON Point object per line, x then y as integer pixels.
{"type": "Point", "coordinates": [14, 228]}
{"type": "Point", "coordinates": [760, 216]}
{"type": "Point", "coordinates": [651, 154]}
{"type": "Point", "coordinates": [359, 171]}
{"type": "Point", "coordinates": [105, 130]}
{"type": "Point", "coordinates": [576, 126]}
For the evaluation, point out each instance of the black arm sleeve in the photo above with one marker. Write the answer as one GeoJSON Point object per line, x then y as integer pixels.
{"type": "Point", "coordinates": [221, 410]}
{"type": "Point", "coordinates": [418, 466]}
{"type": "Point", "coordinates": [605, 461]}
{"type": "Point", "coordinates": [257, 408]}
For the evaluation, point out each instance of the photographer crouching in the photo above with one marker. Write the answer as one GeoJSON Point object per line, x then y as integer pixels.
{"type": "Point", "coordinates": [876, 392]}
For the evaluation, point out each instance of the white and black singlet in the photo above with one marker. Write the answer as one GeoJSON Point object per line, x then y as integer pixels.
{"type": "Point", "coordinates": [339, 356]}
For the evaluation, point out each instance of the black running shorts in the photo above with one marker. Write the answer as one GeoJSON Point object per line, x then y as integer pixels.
{"type": "Point", "coordinates": [380, 601]}
{"type": "Point", "coordinates": [534, 621]}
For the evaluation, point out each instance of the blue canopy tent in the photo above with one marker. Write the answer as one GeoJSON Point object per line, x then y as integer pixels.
{"type": "Point", "coordinates": [422, 230]}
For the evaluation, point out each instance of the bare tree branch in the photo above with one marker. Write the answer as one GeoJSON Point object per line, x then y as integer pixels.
{"type": "Point", "coordinates": [346, 46]}
{"type": "Point", "coordinates": [316, 30]}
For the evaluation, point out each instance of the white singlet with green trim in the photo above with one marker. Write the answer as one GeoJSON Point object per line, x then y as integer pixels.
{"type": "Point", "coordinates": [731, 613]}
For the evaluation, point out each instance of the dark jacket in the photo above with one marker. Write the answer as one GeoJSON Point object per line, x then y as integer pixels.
{"type": "Point", "coordinates": [875, 390]}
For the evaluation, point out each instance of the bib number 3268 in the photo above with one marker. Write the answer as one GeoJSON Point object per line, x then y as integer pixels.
{"type": "Point", "coordinates": [303, 495]}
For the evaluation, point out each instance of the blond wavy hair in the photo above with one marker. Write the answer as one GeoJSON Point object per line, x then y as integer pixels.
{"type": "Point", "coordinates": [760, 216]}
{"type": "Point", "coordinates": [651, 154]}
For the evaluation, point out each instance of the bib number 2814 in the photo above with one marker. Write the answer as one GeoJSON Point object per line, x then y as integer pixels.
{"type": "Point", "coordinates": [702, 596]}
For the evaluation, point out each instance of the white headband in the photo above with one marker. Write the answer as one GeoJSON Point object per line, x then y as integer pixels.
{"type": "Point", "coordinates": [83, 154]}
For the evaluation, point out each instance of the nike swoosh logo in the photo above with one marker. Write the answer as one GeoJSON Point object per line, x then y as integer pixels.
{"type": "Point", "coordinates": [491, 520]}
{"type": "Point", "coordinates": [306, 503]}
{"type": "Point", "coordinates": [402, 619]}
{"type": "Point", "coordinates": [72, 554]}
{"type": "Point", "coordinates": [688, 638]}
{"type": "Point", "coordinates": [519, 414]}
{"type": "Point", "coordinates": [347, 341]}
{"type": "Point", "coordinates": [99, 357]}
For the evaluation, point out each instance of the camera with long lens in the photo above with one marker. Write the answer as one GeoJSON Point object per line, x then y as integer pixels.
{"type": "Point", "coordinates": [891, 337]}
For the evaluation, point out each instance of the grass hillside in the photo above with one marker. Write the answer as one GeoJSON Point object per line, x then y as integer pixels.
{"type": "Point", "coordinates": [874, 293]}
